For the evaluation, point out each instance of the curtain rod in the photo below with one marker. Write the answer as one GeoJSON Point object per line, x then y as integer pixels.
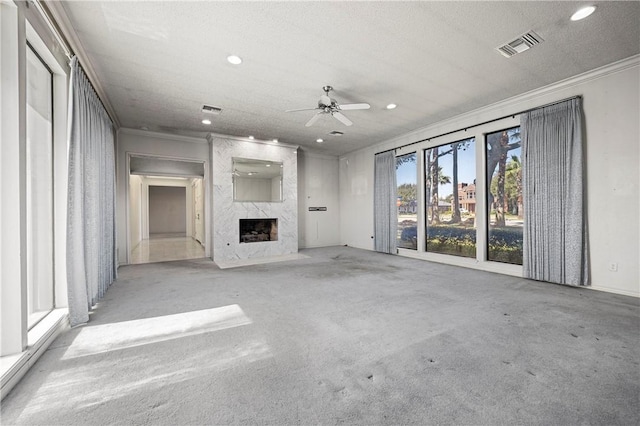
{"type": "Point", "coordinates": [480, 124]}
{"type": "Point", "coordinates": [51, 23]}
{"type": "Point", "coordinates": [46, 14]}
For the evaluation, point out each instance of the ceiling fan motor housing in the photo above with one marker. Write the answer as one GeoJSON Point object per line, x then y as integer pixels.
{"type": "Point", "coordinates": [326, 101]}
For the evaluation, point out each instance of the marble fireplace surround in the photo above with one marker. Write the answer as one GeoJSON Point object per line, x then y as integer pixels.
{"type": "Point", "coordinates": [227, 213]}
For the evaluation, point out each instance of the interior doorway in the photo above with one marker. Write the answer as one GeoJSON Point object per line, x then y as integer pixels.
{"type": "Point", "coordinates": [166, 212]}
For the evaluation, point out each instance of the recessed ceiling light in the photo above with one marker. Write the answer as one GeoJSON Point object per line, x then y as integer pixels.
{"type": "Point", "coordinates": [267, 165]}
{"type": "Point", "coordinates": [205, 121]}
{"type": "Point", "coordinates": [583, 13]}
{"type": "Point", "coordinates": [235, 60]}
{"type": "Point", "coordinates": [251, 137]}
{"type": "Point", "coordinates": [275, 141]}
{"type": "Point", "coordinates": [391, 106]}
{"type": "Point", "coordinates": [319, 140]}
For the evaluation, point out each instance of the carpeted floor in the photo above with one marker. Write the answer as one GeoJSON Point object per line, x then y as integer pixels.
{"type": "Point", "coordinates": [345, 336]}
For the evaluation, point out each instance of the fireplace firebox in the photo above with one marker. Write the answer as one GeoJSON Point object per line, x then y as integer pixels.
{"type": "Point", "coordinates": [258, 230]}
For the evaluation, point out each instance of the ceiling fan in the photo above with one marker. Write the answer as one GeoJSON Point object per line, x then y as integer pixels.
{"type": "Point", "coordinates": [328, 105]}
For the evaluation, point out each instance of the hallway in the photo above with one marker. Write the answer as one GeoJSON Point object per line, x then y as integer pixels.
{"type": "Point", "coordinates": [164, 247]}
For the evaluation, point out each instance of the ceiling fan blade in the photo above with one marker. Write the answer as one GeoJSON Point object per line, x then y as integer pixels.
{"type": "Point", "coordinates": [354, 106]}
{"type": "Point", "coordinates": [341, 118]}
{"type": "Point", "coordinates": [301, 109]}
{"type": "Point", "coordinates": [313, 119]}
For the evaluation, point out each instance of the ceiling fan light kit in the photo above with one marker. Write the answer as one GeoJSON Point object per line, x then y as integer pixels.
{"type": "Point", "coordinates": [329, 106]}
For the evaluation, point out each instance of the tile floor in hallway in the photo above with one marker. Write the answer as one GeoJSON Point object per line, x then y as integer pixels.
{"type": "Point", "coordinates": [163, 248]}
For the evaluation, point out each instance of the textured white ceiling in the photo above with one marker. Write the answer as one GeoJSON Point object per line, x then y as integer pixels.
{"type": "Point", "coordinates": [159, 62]}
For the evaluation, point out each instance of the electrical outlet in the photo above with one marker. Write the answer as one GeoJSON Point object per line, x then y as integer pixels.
{"type": "Point", "coordinates": [613, 267]}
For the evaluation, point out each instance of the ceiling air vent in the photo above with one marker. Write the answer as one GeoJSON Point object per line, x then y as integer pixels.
{"type": "Point", "coordinates": [336, 133]}
{"type": "Point", "coordinates": [524, 42]}
{"type": "Point", "coordinates": [211, 109]}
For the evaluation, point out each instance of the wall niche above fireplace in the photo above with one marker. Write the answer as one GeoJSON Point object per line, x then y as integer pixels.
{"type": "Point", "coordinates": [258, 230]}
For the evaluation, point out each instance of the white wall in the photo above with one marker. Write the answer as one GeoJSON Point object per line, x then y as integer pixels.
{"type": "Point", "coordinates": [356, 198]}
{"type": "Point", "coordinates": [167, 210]}
{"type": "Point", "coordinates": [135, 210]}
{"type": "Point", "coordinates": [198, 211]}
{"type": "Point", "coordinates": [156, 144]}
{"type": "Point", "coordinates": [611, 109]}
{"type": "Point", "coordinates": [148, 181]}
{"type": "Point", "coordinates": [318, 186]}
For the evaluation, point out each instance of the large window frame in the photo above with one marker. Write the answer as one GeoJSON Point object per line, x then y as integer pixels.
{"type": "Point", "coordinates": [407, 200]}
{"type": "Point", "coordinates": [22, 28]}
{"type": "Point", "coordinates": [452, 234]}
{"type": "Point", "coordinates": [40, 260]}
{"type": "Point", "coordinates": [505, 249]}
{"type": "Point", "coordinates": [480, 261]}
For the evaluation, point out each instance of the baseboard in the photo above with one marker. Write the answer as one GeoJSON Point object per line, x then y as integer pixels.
{"type": "Point", "coordinates": [14, 367]}
{"type": "Point", "coordinates": [615, 291]}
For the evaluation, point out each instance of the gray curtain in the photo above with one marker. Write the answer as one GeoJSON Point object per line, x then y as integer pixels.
{"type": "Point", "coordinates": [555, 233]}
{"type": "Point", "coordinates": [91, 260]}
{"type": "Point", "coordinates": [385, 211]}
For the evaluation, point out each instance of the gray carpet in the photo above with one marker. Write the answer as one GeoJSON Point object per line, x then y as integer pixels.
{"type": "Point", "coordinates": [344, 337]}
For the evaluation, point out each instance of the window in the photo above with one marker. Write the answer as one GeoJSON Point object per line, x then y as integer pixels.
{"type": "Point", "coordinates": [39, 179]}
{"type": "Point", "coordinates": [406, 179]}
{"type": "Point", "coordinates": [504, 196]}
{"type": "Point", "coordinates": [450, 174]}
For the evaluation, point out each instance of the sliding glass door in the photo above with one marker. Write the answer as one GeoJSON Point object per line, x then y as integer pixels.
{"type": "Point", "coordinates": [40, 281]}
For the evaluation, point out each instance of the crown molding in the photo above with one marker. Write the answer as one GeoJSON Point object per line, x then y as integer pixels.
{"type": "Point", "coordinates": [516, 103]}
{"type": "Point", "coordinates": [210, 137]}
{"type": "Point", "coordinates": [159, 135]}
{"type": "Point", "coordinates": [61, 18]}
{"type": "Point", "coordinates": [315, 154]}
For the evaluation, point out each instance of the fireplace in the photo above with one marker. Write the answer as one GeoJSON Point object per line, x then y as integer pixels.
{"type": "Point", "coordinates": [258, 230]}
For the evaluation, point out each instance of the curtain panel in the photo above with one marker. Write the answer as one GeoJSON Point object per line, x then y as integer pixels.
{"type": "Point", "coordinates": [91, 233]}
{"type": "Point", "coordinates": [385, 211]}
{"type": "Point", "coordinates": [555, 247]}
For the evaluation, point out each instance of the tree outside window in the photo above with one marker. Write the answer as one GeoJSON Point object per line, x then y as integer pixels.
{"type": "Point", "coordinates": [504, 199]}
